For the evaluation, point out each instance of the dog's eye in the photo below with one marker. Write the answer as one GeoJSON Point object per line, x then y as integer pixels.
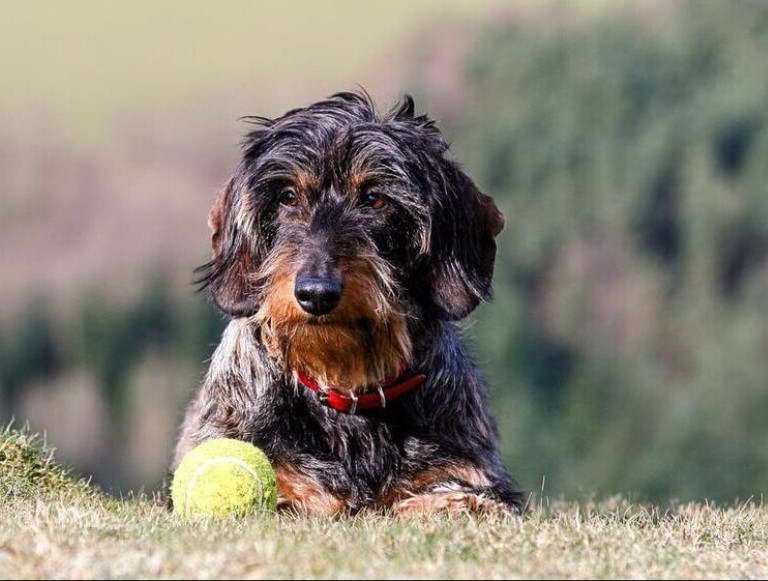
{"type": "Point", "coordinates": [288, 198]}
{"type": "Point", "coordinates": [373, 200]}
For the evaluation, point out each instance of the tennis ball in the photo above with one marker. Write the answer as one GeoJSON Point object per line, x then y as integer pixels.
{"type": "Point", "coordinates": [222, 477]}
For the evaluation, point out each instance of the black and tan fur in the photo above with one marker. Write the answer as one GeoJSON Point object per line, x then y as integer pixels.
{"type": "Point", "coordinates": [371, 206]}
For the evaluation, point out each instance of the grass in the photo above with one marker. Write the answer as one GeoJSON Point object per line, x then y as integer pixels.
{"type": "Point", "coordinates": [64, 529]}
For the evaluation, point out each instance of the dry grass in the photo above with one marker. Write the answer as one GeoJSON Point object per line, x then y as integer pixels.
{"type": "Point", "coordinates": [65, 532]}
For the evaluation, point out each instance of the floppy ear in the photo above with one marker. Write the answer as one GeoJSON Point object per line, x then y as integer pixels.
{"type": "Point", "coordinates": [230, 272]}
{"type": "Point", "coordinates": [463, 249]}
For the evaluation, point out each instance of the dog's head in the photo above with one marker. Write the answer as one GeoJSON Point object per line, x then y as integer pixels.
{"type": "Point", "coordinates": [338, 225]}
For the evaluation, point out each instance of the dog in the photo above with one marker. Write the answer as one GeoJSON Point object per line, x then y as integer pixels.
{"type": "Point", "coordinates": [346, 246]}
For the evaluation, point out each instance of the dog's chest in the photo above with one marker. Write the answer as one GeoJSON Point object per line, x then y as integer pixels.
{"type": "Point", "coordinates": [365, 451]}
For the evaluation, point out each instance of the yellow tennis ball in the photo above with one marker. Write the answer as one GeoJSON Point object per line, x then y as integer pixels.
{"type": "Point", "coordinates": [222, 477]}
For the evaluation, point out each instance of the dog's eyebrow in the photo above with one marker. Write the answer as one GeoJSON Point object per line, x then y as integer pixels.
{"type": "Point", "coordinates": [377, 159]}
{"type": "Point", "coordinates": [282, 166]}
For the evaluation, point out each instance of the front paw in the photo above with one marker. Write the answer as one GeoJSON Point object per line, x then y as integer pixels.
{"type": "Point", "coordinates": [300, 493]}
{"type": "Point", "coordinates": [448, 502]}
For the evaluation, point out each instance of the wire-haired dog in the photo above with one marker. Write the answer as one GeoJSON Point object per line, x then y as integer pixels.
{"type": "Point", "coordinates": [345, 246]}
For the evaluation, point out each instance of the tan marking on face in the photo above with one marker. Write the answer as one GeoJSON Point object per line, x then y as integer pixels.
{"type": "Point", "coordinates": [304, 182]}
{"type": "Point", "coordinates": [356, 179]}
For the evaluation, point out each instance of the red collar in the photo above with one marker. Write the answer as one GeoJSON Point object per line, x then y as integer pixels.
{"type": "Point", "coordinates": [376, 398]}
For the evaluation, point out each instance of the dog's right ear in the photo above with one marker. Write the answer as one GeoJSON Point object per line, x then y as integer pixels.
{"type": "Point", "coordinates": [463, 255]}
{"type": "Point", "coordinates": [229, 275]}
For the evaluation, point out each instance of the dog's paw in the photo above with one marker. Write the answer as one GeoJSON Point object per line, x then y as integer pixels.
{"type": "Point", "coordinates": [449, 502]}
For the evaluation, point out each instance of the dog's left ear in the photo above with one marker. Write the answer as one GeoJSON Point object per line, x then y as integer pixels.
{"type": "Point", "coordinates": [463, 250]}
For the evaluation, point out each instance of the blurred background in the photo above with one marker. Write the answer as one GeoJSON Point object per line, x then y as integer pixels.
{"type": "Point", "coordinates": [627, 143]}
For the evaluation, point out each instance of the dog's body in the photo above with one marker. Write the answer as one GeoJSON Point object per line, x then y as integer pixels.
{"type": "Point", "coordinates": [345, 246]}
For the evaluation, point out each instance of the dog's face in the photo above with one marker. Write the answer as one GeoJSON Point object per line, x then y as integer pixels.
{"type": "Point", "coordinates": [338, 228]}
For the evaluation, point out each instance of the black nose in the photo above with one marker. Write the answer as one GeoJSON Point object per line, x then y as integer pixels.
{"type": "Point", "coordinates": [317, 296]}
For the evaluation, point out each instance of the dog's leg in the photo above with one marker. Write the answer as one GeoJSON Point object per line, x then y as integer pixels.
{"type": "Point", "coordinates": [195, 430]}
{"type": "Point", "coordinates": [301, 493]}
{"type": "Point", "coordinates": [187, 433]}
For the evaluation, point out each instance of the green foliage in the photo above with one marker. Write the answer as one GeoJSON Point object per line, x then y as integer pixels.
{"type": "Point", "coordinates": [33, 354]}
{"type": "Point", "coordinates": [112, 341]}
{"type": "Point", "coordinates": [626, 344]}
{"type": "Point", "coordinates": [27, 469]}
{"type": "Point", "coordinates": [108, 339]}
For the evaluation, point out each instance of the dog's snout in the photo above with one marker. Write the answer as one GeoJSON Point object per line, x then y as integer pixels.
{"type": "Point", "coordinates": [317, 296]}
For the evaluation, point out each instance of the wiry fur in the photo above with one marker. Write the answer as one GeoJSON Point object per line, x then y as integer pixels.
{"type": "Point", "coordinates": [408, 270]}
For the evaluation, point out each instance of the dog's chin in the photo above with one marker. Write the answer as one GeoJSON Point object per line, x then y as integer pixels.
{"type": "Point", "coordinates": [321, 320]}
{"type": "Point", "coordinates": [346, 352]}
{"type": "Point", "coordinates": [330, 321]}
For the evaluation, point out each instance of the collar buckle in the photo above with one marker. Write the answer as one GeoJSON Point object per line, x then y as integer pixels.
{"type": "Point", "coordinates": [351, 403]}
{"type": "Point", "coordinates": [353, 408]}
